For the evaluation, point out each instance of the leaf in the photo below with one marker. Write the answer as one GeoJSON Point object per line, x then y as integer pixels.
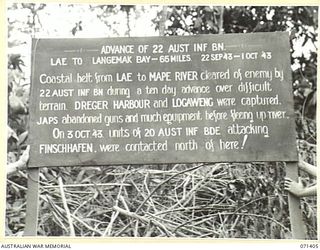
{"type": "Point", "coordinates": [304, 84]}
{"type": "Point", "coordinates": [15, 62]}
{"type": "Point", "coordinates": [306, 38]}
{"type": "Point", "coordinates": [11, 133]}
{"type": "Point", "coordinates": [208, 9]}
{"type": "Point", "coordinates": [311, 105]}
{"type": "Point", "coordinates": [197, 23]}
{"type": "Point", "coordinates": [16, 104]}
{"type": "Point", "coordinates": [7, 230]}
{"type": "Point", "coordinates": [11, 157]}
{"type": "Point", "coordinates": [210, 24]}
{"type": "Point", "coordinates": [22, 137]}
{"type": "Point", "coordinates": [74, 30]}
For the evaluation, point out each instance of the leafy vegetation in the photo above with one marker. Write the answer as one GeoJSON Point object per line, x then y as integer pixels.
{"type": "Point", "coordinates": [181, 200]}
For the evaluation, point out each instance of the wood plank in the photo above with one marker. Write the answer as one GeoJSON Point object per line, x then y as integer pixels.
{"type": "Point", "coordinates": [297, 226]}
{"type": "Point", "coordinates": [32, 202]}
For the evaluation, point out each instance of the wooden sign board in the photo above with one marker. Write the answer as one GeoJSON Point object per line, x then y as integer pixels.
{"type": "Point", "coordinates": [208, 98]}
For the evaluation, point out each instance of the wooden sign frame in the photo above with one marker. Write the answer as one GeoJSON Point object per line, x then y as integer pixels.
{"type": "Point", "coordinates": [227, 98]}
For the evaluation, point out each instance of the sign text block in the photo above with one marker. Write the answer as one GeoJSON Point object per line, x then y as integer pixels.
{"type": "Point", "coordinates": [209, 98]}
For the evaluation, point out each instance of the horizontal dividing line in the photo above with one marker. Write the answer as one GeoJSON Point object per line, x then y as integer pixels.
{"type": "Point", "coordinates": [80, 50]}
{"type": "Point", "coordinates": [154, 59]}
{"type": "Point", "coordinates": [92, 50]}
{"type": "Point", "coordinates": [236, 56]}
{"type": "Point", "coordinates": [232, 46]}
{"type": "Point", "coordinates": [70, 51]}
{"type": "Point", "coordinates": [243, 45]}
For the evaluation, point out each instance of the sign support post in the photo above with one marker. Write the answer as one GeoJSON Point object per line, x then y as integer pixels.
{"type": "Point", "coordinates": [297, 225]}
{"type": "Point", "coordinates": [32, 202]}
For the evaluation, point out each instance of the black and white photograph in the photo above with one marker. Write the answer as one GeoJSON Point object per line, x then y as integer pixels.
{"type": "Point", "coordinates": [161, 121]}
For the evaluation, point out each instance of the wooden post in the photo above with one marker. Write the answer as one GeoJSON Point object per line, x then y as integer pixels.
{"type": "Point", "coordinates": [297, 225]}
{"type": "Point", "coordinates": [162, 24]}
{"type": "Point", "coordinates": [220, 22]}
{"type": "Point", "coordinates": [32, 202]}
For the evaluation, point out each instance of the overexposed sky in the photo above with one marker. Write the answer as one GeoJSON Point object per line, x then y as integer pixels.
{"type": "Point", "coordinates": [58, 20]}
